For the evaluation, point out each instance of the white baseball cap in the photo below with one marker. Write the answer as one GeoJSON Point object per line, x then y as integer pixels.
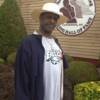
{"type": "Point", "coordinates": [51, 7]}
{"type": "Point", "coordinates": [48, 7]}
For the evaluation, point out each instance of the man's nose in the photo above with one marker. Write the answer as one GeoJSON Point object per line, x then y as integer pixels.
{"type": "Point", "coordinates": [53, 20]}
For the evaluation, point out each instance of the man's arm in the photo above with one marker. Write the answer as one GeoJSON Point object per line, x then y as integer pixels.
{"type": "Point", "coordinates": [65, 62]}
{"type": "Point", "coordinates": [22, 74]}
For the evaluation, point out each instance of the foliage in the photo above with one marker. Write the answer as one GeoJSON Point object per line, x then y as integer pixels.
{"type": "Point", "coordinates": [87, 91]}
{"type": "Point", "coordinates": [12, 28]}
{"type": "Point", "coordinates": [98, 63]}
{"type": "Point", "coordinates": [80, 71]}
{"type": "Point", "coordinates": [2, 61]}
{"type": "Point", "coordinates": [11, 58]}
{"type": "Point", "coordinates": [69, 58]}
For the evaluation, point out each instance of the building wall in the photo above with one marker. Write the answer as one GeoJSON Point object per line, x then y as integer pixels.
{"type": "Point", "coordinates": [85, 45]}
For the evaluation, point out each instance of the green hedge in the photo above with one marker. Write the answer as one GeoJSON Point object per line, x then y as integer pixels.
{"type": "Point", "coordinates": [69, 58]}
{"type": "Point", "coordinates": [12, 28]}
{"type": "Point", "coordinates": [11, 58]}
{"type": "Point", "coordinates": [2, 61]}
{"type": "Point", "coordinates": [80, 71]}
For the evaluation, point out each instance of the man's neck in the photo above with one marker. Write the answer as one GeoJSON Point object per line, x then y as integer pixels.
{"type": "Point", "coordinates": [41, 32]}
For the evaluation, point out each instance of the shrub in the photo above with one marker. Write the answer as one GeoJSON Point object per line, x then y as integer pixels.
{"type": "Point", "coordinates": [69, 58]}
{"type": "Point", "coordinates": [11, 58]}
{"type": "Point", "coordinates": [12, 28]}
{"type": "Point", "coordinates": [98, 63]}
{"type": "Point", "coordinates": [87, 91]}
{"type": "Point", "coordinates": [80, 71]}
{"type": "Point", "coordinates": [2, 61]}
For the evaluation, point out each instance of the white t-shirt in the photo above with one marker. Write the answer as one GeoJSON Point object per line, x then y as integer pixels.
{"type": "Point", "coordinates": [53, 70]}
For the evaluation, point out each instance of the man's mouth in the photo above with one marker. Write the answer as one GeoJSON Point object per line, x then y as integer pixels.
{"type": "Point", "coordinates": [51, 26]}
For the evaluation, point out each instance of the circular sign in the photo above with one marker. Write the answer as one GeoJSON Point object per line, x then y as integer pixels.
{"type": "Point", "coordinates": [79, 15]}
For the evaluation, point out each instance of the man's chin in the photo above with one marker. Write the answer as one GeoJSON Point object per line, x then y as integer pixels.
{"type": "Point", "coordinates": [49, 30]}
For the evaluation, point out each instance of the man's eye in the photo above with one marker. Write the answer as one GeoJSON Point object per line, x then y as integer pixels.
{"type": "Point", "coordinates": [55, 18]}
{"type": "Point", "coordinates": [52, 17]}
{"type": "Point", "coordinates": [49, 17]}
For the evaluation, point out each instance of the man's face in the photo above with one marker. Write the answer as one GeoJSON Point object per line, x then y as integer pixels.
{"type": "Point", "coordinates": [48, 22]}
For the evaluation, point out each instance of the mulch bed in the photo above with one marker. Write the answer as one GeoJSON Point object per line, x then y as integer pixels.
{"type": "Point", "coordinates": [6, 82]}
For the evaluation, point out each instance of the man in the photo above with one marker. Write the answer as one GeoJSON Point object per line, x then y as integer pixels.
{"type": "Point", "coordinates": [40, 61]}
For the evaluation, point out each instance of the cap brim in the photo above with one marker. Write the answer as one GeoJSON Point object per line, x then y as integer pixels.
{"type": "Point", "coordinates": [36, 13]}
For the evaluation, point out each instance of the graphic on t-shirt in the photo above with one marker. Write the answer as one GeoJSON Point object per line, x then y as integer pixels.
{"type": "Point", "coordinates": [54, 56]}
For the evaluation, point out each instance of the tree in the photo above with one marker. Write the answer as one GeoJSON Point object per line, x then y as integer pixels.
{"type": "Point", "coordinates": [12, 28]}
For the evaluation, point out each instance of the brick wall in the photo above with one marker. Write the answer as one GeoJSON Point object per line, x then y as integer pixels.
{"type": "Point", "coordinates": [86, 45]}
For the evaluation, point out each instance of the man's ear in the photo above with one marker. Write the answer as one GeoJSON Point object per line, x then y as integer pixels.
{"type": "Point", "coordinates": [41, 15]}
{"type": "Point", "coordinates": [61, 20]}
